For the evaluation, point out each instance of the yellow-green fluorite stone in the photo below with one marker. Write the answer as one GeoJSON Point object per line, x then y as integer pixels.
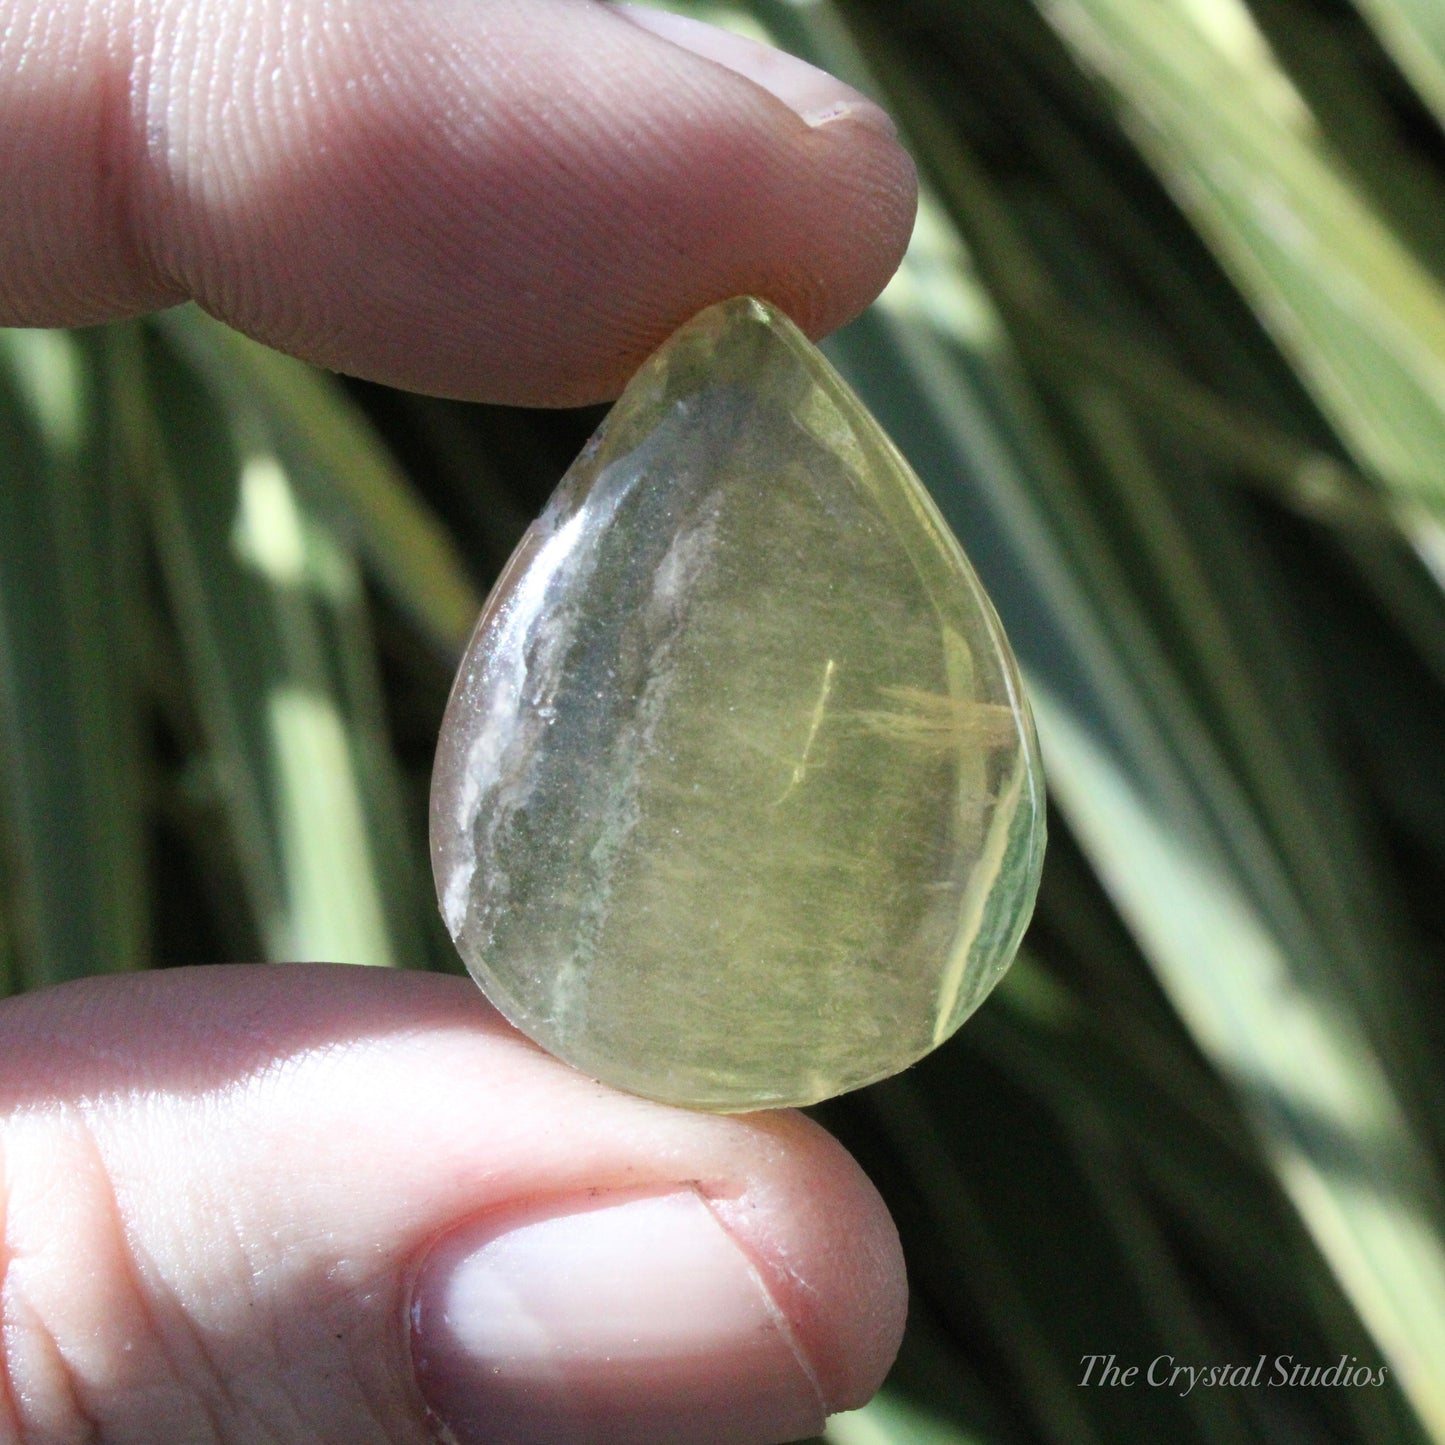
{"type": "Point", "coordinates": [737, 801]}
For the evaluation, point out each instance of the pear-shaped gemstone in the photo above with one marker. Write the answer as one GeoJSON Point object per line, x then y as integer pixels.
{"type": "Point", "coordinates": [737, 801]}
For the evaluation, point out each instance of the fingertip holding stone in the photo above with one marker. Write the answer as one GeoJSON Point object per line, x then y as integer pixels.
{"type": "Point", "coordinates": [626, 1319]}
{"type": "Point", "coordinates": [819, 98]}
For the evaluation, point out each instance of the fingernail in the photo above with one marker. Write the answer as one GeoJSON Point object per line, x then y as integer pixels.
{"type": "Point", "coordinates": [625, 1320]}
{"type": "Point", "coordinates": [814, 94]}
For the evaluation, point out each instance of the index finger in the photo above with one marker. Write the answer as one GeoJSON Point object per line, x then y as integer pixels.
{"type": "Point", "coordinates": [469, 197]}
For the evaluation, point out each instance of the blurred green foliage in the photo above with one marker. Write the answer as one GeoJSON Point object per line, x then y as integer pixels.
{"type": "Point", "coordinates": [1169, 348]}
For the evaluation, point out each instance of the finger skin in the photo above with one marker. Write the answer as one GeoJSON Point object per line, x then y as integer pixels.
{"type": "Point", "coordinates": [219, 1185]}
{"type": "Point", "coordinates": [478, 198]}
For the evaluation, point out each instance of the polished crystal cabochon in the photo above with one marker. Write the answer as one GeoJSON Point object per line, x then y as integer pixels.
{"type": "Point", "coordinates": [737, 801]}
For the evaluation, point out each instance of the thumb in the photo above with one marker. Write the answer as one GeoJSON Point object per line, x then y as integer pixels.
{"type": "Point", "coordinates": [332, 1204]}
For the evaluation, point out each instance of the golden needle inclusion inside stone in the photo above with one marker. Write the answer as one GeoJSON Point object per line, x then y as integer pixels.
{"type": "Point", "coordinates": [737, 801]}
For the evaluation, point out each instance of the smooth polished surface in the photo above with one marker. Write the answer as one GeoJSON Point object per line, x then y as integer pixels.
{"type": "Point", "coordinates": [737, 801]}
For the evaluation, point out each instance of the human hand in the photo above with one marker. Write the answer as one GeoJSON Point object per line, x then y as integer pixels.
{"type": "Point", "coordinates": [476, 198]}
{"type": "Point", "coordinates": [304, 1204]}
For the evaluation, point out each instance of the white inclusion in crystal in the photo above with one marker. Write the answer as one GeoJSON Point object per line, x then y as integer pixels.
{"type": "Point", "coordinates": [679, 569]}
{"type": "Point", "coordinates": [503, 685]}
{"type": "Point", "coordinates": [673, 583]}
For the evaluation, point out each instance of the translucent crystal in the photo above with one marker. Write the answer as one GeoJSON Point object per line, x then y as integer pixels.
{"type": "Point", "coordinates": [737, 801]}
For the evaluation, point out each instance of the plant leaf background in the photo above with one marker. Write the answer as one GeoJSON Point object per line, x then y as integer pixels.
{"type": "Point", "coordinates": [1169, 349]}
